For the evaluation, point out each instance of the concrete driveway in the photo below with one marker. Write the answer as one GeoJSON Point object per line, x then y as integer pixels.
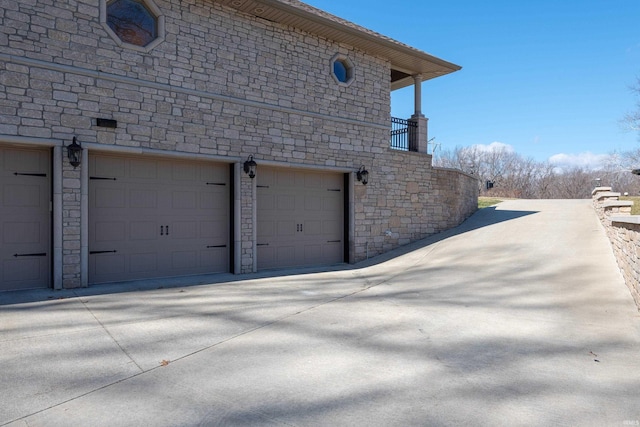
{"type": "Point", "coordinates": [517, 317]}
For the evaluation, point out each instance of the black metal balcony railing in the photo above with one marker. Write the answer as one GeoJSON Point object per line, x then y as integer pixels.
{"type": "Point", "coordinates": [404, 134]}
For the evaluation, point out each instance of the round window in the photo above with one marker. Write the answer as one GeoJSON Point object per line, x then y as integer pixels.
{"type": "Point", "coordinates": [132, 22]}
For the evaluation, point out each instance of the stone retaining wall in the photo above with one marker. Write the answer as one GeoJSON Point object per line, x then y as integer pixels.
{"type": "Point", "coordinates": [623, 230]}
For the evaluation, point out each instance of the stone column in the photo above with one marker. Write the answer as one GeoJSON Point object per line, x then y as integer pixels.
{"type": "Point", "coordinates": [418, 136]}
{"type": "Point", "coordinates": [417, 86]}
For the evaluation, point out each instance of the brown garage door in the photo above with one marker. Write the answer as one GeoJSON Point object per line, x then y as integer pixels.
{"type": "Point", "coordinates": [300, 218]}
{"type": "Point", "coordinates": [25, 218]}
{"type": "Point", "coordinates": [153, 217]}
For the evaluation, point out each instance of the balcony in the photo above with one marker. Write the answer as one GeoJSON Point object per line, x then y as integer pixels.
{"type": "Point", "coordinates": [404, 134]}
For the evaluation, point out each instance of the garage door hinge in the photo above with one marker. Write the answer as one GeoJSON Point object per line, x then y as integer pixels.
{"type": "Point", "coordinates": [334, 241]}
{"type": "Point", "coordinates": [216, 183]}
{"type": "Point", "coordinates": [262, 244]}
{"type": "Point", "coordinates": [216, 246]}
{"type": "Point", "coordinates": [101, 252]}
{"type": "Point", "coordinates": [38, 254]}
{"type": "Point", "coordinates": [334, 189]}
{"type": "Point", "coordinates": [102, 178]}
{"type": "Point", "coordinates": [43, 175]}
{"type": "Point", "coordinates": [262, 186]}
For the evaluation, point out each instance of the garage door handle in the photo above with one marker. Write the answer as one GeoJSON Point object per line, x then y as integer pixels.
{"type": "Point", "coordinates": [162, 230]}
{"type": "Point", "coordinates": [216, 246]}
{"type": "Point", "coordinates": [334, 241]}
{"type": "Point", "coordinates": [38, 254]}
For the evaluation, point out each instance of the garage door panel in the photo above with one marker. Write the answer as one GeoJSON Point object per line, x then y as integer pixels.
{"type": "Point", "coordinates": [312, 203]}
{"type": "Point", "coordinates": [143, 263]}
{"type": "Point", "coordinates": [214, 175]}
{"type": "Point", "coordinates": [286, 256]}
{"type": "Point", "coordinates": [214, 257]}
{"type": "Point", "coordinates": [21, 232]}
{"type": "Point", "coordinates": [143, 169]}
{"type": "Point", "coordinates": [284, 179]}
{"type": "Point", "coordinates": [211, 200]}
{"type": "Point", "coordinates": [313, 180]}
{"type": "Point", "coordinates": [108, 167]}
{"type": "Point", "coordinates": [266, 229]}
{"type": "Point", "coordinates": [286, 228]}
{"type": "Point", "coordinates": [144, 230]}
{"type": "Point", "coordinates": [267, 256]}
{"type": "Point", "coordinates": [23, 196]}
{"type": "Point", "coordinates": [109, 265]}
{"type": "Point", "coordinates": [26, 161]}
{"type": "Point", "coordinates": [332, 203]}
{"type": "Point", "coordinates": [313, 252]}
{"type": "Point", "coordinates": [330, 252]}
{"type": "Point", "coordinates": [213, 229]}
{"type": "Point", "coordinates": [23, 270]}
{"type": "Point", "coordinates": [143, 198]}
{"type": "Point", "coordinates": [312, 228]}
{"type": "Point", "coordinates": [110, 197]}
{"type": "Point", "coordinates": [286, 202]}
{"type": "Point", "coordinates": [110, 231]}
{"type": "Point", "coordinates": [184, 229]}
{"type": "Point", "coordinates": [184, 260]}
{"type": "Point", "coordinates": [184, 199]}
{"type": "Point", "coordinates": [267, 202]}
{"type": "Point", "coordinates": [185, 172]}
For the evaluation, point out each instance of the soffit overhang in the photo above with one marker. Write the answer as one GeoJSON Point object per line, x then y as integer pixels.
{"type": "Point", "coordinates": [405, 60]}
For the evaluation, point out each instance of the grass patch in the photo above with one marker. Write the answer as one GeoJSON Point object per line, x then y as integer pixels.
{"type": "Point", "coordinates": [635, 209]}
{"type": "Point", "coordinates": [485, 202]}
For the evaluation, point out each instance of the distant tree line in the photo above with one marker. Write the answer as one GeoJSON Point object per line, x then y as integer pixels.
{"type": "Point", "coordinates": [503, 173]}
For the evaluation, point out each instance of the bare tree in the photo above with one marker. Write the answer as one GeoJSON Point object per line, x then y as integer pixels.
{"type": "Point", "coordinates": [515, 176]}
{"type": "Point", "coordinates": [632, 120]}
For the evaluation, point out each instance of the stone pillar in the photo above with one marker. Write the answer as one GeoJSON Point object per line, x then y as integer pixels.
{"type": "Point", "coordinates": [71, 218]}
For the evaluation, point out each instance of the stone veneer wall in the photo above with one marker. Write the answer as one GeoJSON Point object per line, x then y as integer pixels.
{"type": "Point", "coordinates": [222, 85]}
{"type": "Point", "coordinates": [623, 230]}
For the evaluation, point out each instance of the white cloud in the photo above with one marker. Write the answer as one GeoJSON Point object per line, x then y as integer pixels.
{"type": "Point", "coordinates": [494, 146]}
{"type": "Point", "coordinates": [585, 160]}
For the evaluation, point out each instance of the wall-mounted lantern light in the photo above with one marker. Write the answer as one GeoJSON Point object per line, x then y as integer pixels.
{"type": "Point", "coordinates": [363, 175]}
{"type": "Point", "coordinates": [74, 152]}
{"type": "Point", "coordinates": [250, 167]}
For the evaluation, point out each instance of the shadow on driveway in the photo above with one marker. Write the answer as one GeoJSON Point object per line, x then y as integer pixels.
{"type": "Point", "coordinates": [481, 218]}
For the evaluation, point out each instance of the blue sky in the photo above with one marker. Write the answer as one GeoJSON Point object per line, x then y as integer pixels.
{"type": "Point", "coordinates": [549, 78]}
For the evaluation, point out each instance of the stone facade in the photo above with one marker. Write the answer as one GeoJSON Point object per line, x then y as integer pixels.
{"type": "Point", "coordinates": [222, 85]}
{"type": "Point", "coordinates": [623, 230]}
